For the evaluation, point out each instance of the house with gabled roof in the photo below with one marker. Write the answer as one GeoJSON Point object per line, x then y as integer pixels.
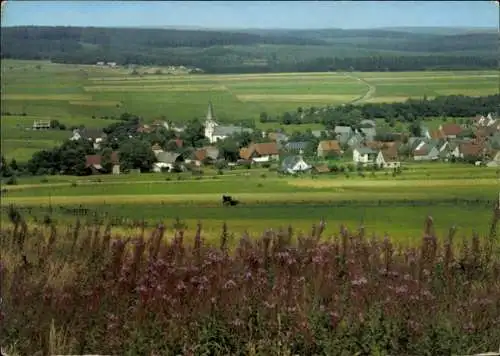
{"type": "Point", "coordinates": [209, 153]}
{"type": "Point", "coordinates": [167, 160]}
{"type": "Point", "coordinates": [260, 152]}
{"type": "Point", "coordinates": [320, 169]}
{"type": "Point", "coordinates": [426, 152]}
{"type": "Point", "coordinates": [437, 135]}
{"type": "Point", "coordinates": [329, 148]}
{"type": "Point", "coordinates": [450, 130]}
{"type": "Point", "coordinates": [343, 130]}
{"type": "Point", "coordinates": [298, 146]}
{"type": "Point", "coordinates": [471, 150]}
{"type": "Point", "coordinates": [388, 158]}
{"type": "Point", "coordinates": [364, 155]}
{"type": "Point", "coordinates": [294, 164]}
{"type": "Point", "coordinates": [94, 163]}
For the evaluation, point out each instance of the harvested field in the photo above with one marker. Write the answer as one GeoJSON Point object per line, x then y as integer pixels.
{"type": "Point", "coordinates": [94, 103]}
{"type": "Point", "coordinates": [51, 97]}
{"type": "Point", "coordinates": [132, 88]}
{"type": "Point", "coordinates": [295, 97]}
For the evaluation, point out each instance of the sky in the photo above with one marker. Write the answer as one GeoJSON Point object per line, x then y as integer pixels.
{"type": "Point", "coordinates": [246, 14]}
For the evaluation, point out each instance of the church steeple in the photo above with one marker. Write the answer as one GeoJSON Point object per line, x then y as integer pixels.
{"type": "Point", "coordinates": [210, 112]}
{"type": "Point", "coordinates": [210, 123]}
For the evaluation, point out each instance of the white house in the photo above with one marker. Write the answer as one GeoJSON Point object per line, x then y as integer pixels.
{"type": "Point", "coordinates": [294, 164]}
{"type": "Point", "coordinates": [386, 159]}
{"type": "Point", "coordinates": [364, 155]}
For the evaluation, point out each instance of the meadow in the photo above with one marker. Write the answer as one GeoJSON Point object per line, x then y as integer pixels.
{"type": "Point", "coordinates": [455, 195]}
{"type": "Point", "coordinates": [82, 94]}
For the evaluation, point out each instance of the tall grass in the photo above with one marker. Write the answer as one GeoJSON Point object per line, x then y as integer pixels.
{"type": "Point", "coordinates": [84, 289]}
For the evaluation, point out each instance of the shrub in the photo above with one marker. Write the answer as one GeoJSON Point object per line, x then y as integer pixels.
{"type": "Point", "coordinates": [86, 289]}
{"type": "Point", "coordinates": [11, 180]}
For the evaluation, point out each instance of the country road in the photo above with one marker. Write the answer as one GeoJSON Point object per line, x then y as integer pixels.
{"type": "Point", "coordinates": [369, 93]}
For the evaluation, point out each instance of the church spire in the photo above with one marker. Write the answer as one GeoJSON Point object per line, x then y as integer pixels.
{"type": "Point", "coordinates": [210, 112]}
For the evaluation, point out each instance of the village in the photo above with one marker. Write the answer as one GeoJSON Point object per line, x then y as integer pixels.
{"type": "Point", "coordinates": [448, 143]}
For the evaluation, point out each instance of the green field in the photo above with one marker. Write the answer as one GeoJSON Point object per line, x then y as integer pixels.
{"type": "Point", "coordinates": [69, 91]}
{"type": "Point", "coordinates": [73, 94]}
{"type": "Point", "coordinates": [452, 194]}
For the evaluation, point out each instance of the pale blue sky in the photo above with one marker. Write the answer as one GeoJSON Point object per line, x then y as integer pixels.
{"type": "Point", "coordinates": [263, 14]}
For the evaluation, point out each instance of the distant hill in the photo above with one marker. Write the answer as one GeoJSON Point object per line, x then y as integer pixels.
{"type": "Point", "coordinates": [257, 50]}
{"type": "Point", "coordinates": [442, 30]}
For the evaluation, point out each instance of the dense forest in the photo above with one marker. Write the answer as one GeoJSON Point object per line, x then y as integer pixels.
{"type": "Point", "coordinates": [255, 50]}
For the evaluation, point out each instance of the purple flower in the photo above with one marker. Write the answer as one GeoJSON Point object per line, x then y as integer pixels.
{"type": "Point", "coordinates": [359, 282]}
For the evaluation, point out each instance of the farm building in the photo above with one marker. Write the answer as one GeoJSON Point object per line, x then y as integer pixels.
{"type": "Point", "coordinates": [320, 169]}
{"type": "Point", "coordinates": [41, 125]}
{"type": "Point", "coordinates": [94, 163]}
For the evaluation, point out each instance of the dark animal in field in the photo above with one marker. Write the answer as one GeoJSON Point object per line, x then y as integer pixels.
{"type": "Point", "coordinates": [4, 191]}
{"type": "Point", "coordinates": [228, 200]}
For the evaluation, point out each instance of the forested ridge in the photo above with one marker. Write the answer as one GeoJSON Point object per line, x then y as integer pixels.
{"type": "Point", "coordinates": [246, 51]}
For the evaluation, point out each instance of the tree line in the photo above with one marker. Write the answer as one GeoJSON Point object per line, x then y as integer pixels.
{"type": "Point", "coordinates": [408, 111]}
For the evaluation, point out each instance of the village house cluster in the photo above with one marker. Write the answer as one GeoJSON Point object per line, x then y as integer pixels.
{"type": "Point", "coordinates": [478, 142]}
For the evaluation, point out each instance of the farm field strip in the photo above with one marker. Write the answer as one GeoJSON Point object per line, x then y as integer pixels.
{"type": "Point", "coordinates": [314, 183]}
{"type": "Point", "coordinates": [294, 97]}
{"type": "Point", "coordinates": [65, 91]}
{"type": "Point", "coordinates": [255, 197]}
{"type": "Point", "coordinates": [131, 88]}
{"type": "Point", "coordinates": [62, 97]}
{"type": "Point", "coordinates": [234, 179]}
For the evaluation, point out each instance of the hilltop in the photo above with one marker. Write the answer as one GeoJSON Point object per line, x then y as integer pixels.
{"type": "Point", "coordinates": [257, 50]}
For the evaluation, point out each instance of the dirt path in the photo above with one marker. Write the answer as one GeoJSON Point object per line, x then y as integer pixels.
{"type": "Point", "coordinates": [369, 93]}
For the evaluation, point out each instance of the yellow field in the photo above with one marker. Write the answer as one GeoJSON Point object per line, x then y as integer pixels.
{"type": "Point", "coordinates": [314, 183]}
{"type": "Point", "coordinates": [150, 88]}
{"type": "Point", "coordinates": [429, 77]}
{"type": "Point", "coordinates": [94, 103]}
{"type": "Point", "coordinates": [389, 99]}
{"type": "Point", "coordinates": [62, 97]}
{"type": "Point", "coordinates": [470, 92]}
{"type": "Point", "coordinates": [295, 97]}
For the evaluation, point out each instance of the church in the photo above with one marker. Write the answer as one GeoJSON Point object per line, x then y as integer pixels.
{"type": "Point", "coordinates": [215, 132]}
